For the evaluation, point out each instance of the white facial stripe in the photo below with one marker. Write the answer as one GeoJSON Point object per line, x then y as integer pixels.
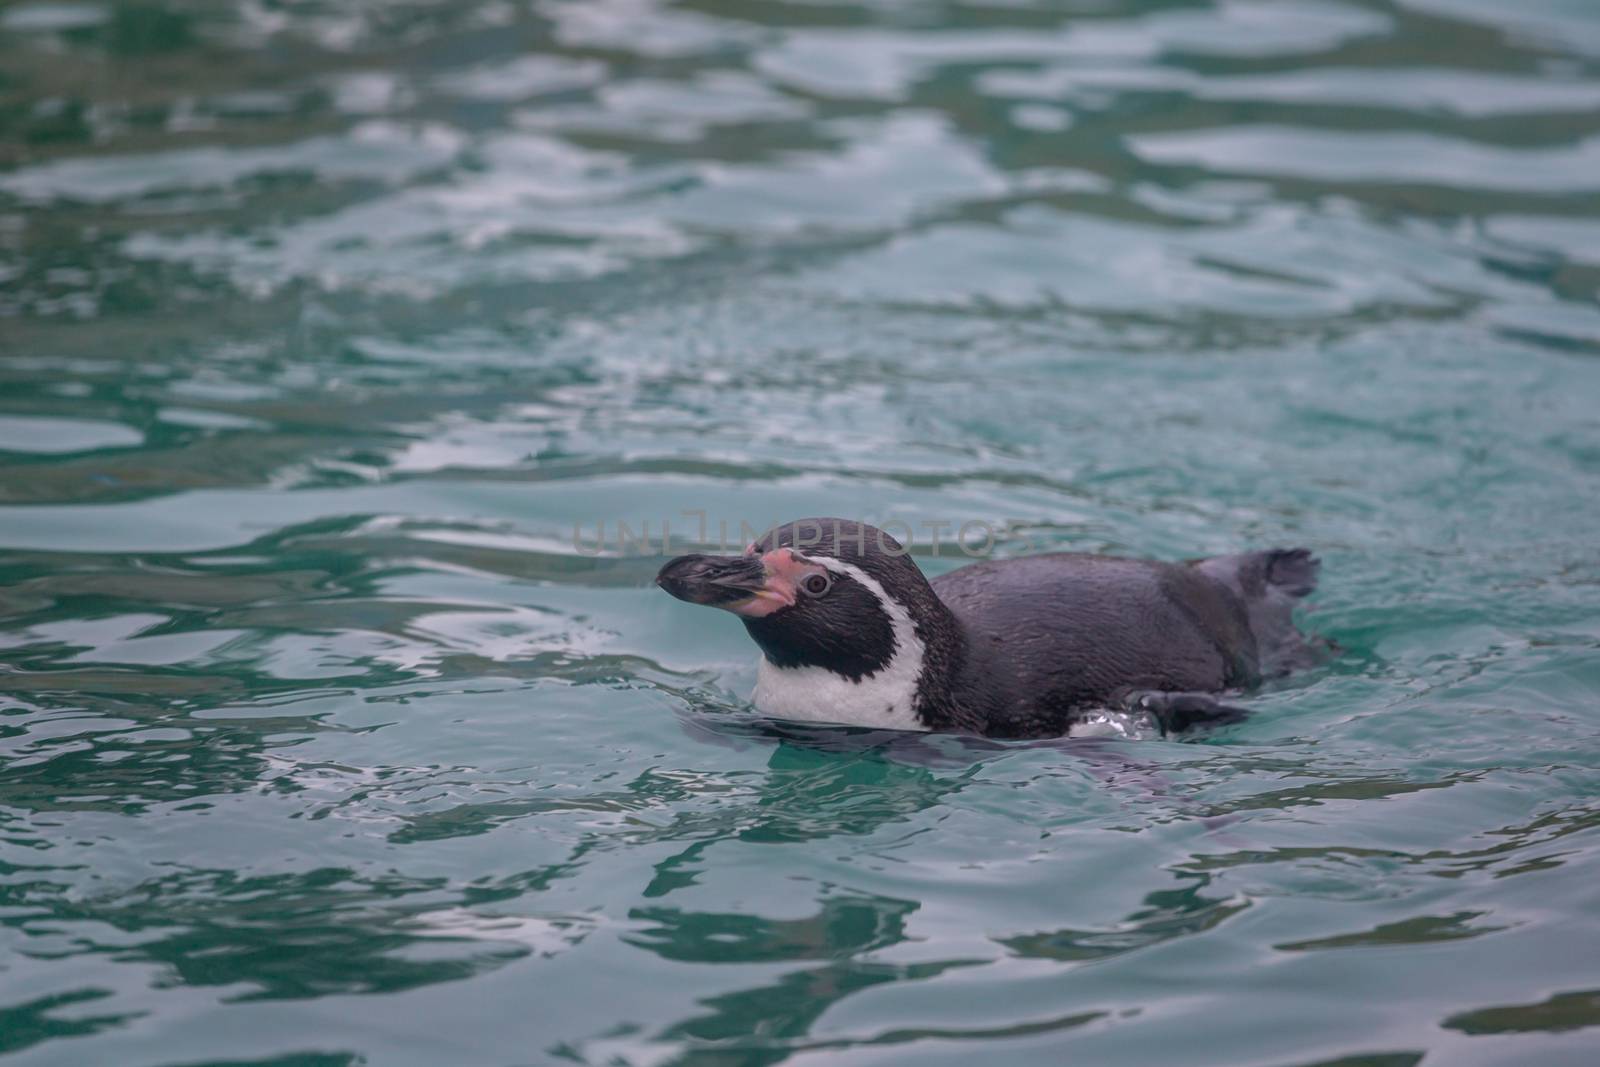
{"type": "Point", "coordinates": [885, 699]}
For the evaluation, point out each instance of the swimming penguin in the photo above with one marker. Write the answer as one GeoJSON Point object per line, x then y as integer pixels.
{"type": "Point", "coordinates": [851, 632]}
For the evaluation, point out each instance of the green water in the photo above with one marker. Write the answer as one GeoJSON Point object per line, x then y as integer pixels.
{"type": "Point", "coordinates": [324, 327]}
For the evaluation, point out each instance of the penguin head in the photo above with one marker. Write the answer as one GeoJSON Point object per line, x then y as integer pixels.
{"type": "Point", "coordinates": [825, 593]}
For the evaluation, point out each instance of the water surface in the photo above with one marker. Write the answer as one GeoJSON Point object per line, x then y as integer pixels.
{"type": "Point", "coordinates": [323, 328]}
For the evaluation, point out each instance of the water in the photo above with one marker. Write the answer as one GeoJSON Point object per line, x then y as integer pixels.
{"type": "Point", "coordinates": [326, 326]}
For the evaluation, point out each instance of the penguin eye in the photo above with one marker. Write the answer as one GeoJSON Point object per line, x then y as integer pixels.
{"type": "Point", "coordinates": [816, 584]}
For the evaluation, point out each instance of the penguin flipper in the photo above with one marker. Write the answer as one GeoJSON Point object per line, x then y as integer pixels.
{"type": "Point", "coordinates": [1179, 712]}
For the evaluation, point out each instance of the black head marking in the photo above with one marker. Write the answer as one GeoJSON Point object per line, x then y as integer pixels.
{"type": "Point", "coordinates": [848, 630]}
{"type": "Point", "coordinates": [847, 625]}
{"type": "Point", "coordinates": [886, 561]}
{"type": "Point", "coordinates": [845, 630]}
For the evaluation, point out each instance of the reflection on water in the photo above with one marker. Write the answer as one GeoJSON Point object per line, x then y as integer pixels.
{"type": "Point", "coordinates": [328, 330]}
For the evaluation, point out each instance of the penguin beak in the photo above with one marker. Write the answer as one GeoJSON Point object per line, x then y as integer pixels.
{"type": "Point", "coordinates": [744, 585]}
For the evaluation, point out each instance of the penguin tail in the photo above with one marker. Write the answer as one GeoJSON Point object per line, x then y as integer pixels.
{"type": "Point", "coordinates": [1292, 570]}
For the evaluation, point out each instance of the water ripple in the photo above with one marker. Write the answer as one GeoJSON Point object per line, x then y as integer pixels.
{"type": "Point", "coordinates": [335, 336]}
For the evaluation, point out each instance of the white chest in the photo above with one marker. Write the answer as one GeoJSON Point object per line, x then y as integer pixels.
{"type": "Point", "coordinates": [886, 700]}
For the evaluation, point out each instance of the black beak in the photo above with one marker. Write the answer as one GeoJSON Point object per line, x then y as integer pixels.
{"type": "Point", "coordinates": [715, 581]}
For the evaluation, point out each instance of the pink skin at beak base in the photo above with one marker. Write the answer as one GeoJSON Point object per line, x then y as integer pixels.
{"type": "Point", "coordinates": [785, 571]}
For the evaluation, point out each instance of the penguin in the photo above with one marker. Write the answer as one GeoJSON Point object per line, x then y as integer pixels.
{"type": "Point", "coordinates": [851, 632]}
